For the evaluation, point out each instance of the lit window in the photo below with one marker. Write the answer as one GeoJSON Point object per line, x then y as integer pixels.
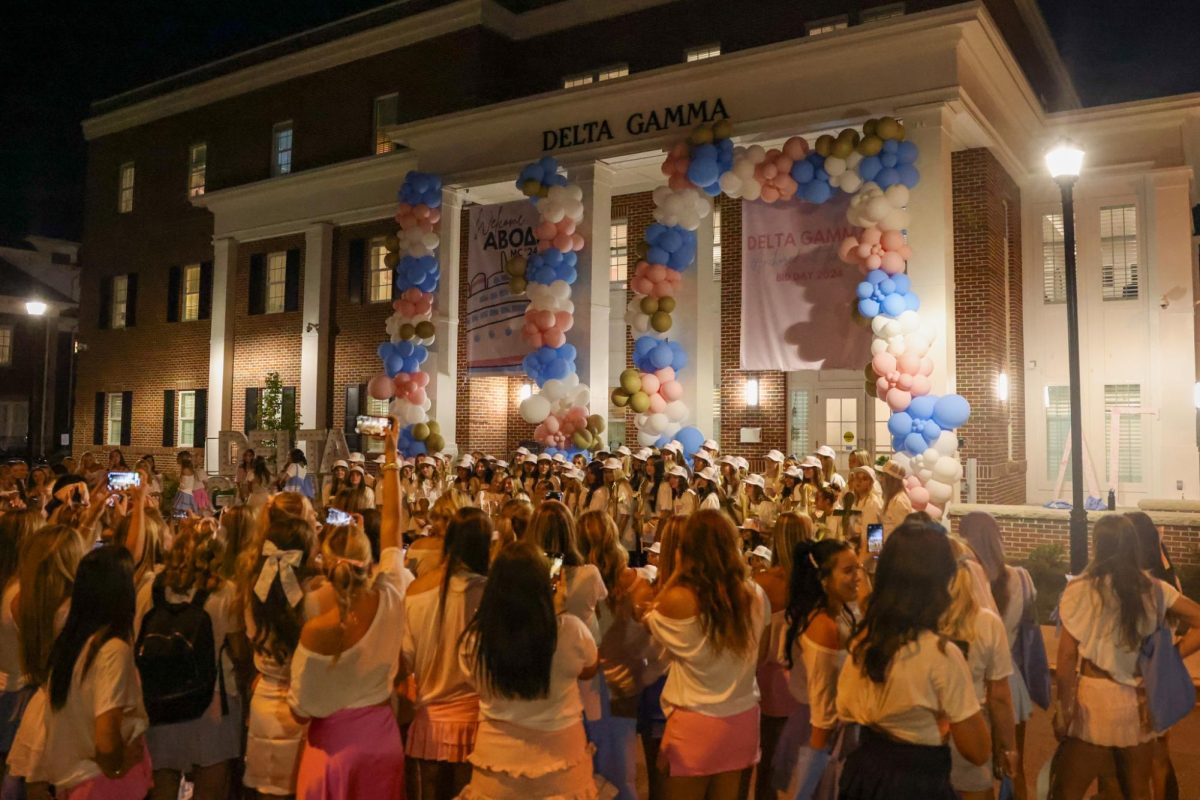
{"type": "Point", "coordinates": [187, 419]}
{"type": "Point", "coordinates": [1118, 253]}
{"type": "Point", "coordinates": [276, 282]}
{"type": "Point", "coordinates": [716, 218]}
{"type": "Point", "coordinates": [604, 74]}
{"type": "Point", "coordinates": [112, 420]}
{"type": "Point", "coordinates": [125, 194]}
{"type": "Point", "coordinates": [827, 25]}
{"type": "Point", "coordinates": [883, 437]}
{"type": "Point", "coordinates": [191, 292]}
{"type": "Point", "coordinates": [615, 71]}
{"type": "Point", "coordinates": [798, 426]}
{"type": "Point", "coordinates": [6, 337]}
{"type": "Point", "coordinates": [577, 80]}
{"type": "Point", "coordinates": [281, 137]}
{"type": "Point", "coordinates": [701, 53]}
{"type": "Point", "coordinates": [1057, 400]}
{"type": "Point", "coordinates": [1127, 397]}
{"type": "Point", "coordinates": [618, 251]}
{"type": "Point", "coordinates": [883, 12]}
{"type": "Point", "coordinates": [120, 300]}
{"type": "Point", "coordinates": [197, 168]}
{"type": "Point", "coordinates": [376, 408]}
{"type": "Point", "coordinates": [380, 273]}
{"type": "Point", "coordinates": [1054, 264]}
{"type": "Point", "coordinates": [387, 110]}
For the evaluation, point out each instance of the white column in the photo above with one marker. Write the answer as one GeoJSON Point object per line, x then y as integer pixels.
{"type": "Point", "coordinates": [220, 348]}
{"type": "Point", "coordinates": [591, 293]}
{"type": "Point", "coordinates": [442, 365]}
{"type": "Point", "coordinates": [696, 312]}
{"type": "Point", "coordinates": [931, 233]}
{"type": "Point", "coordinates": [317, 324]}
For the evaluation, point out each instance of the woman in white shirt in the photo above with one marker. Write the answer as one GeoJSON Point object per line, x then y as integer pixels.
{"type": "Point", "coordinates": [710, 618]}
{"type": "Point", "coordinates": [683, 498]}
{"type": "Point", "coordinates": [94, 726]}
{"type": "Point", "coordinates": [527, 663]}
{"type": "Point", "coordinates": [437, 608]}
{"type": "Point", "coordinates": [1106, 614]}
{"type": "Point", "coordinates": [621, 504]}
{"type": "Point", "coordinates": [708, 490]}
{"type": "Point", "coordinates": [894, 503]}
{"type": "Point", "coordinates": [597, 495]}
{"type": "Point", "coordinates": [903, 680]}
{"type": "Point", "coordinates": [16, 527]}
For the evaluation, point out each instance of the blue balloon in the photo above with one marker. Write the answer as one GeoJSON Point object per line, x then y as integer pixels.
{"type": "Point", "coordinates": [868, 308]}
{"type": "Point", "coordinates": [909, 176]}
{"type": "Point", "coordinates": [703, 172]}
{"type": "Point", "coordinates": [888, 286]}
{"type": "Point", "coordinates": [803, 171]}
{"type": "Point", "coordinates": [702, 152]}
{"type": "Point", "coordinates": [898, 444]}
{"type": "Point", "coordinates": [922, 407]}
{"type": "Point", "coordinates": [887, 177]}
{"type": "Point", "coordinates": [869, 167]}
{"type": "Point", "coordinates": [864, 290]}
{"type": "Point", "coordinates": [900, 424]}
{"type": "Point", "coordinates": [893, 305]}
{"type": "Point", "coordinates": [394, 365]}
{"type": "Point", "coordinates": [901, 282]}
{"type": "Point", "coordinates": [690, 438]}
{"type": "Point", "coordinates": [661, 356]}
{"type": "Point", "coordinates": [662, 442]}
{"type": "Point", "coordinates": [679, 358]}
{"type": "Point", "coordinates": [914, 443]}
{"type": "Point", "coordinates": [818, 192]}
{"type": "Point", "coordinates": [951, 411]}
{"type": "Point", "coordinates": [931, 431]}
{"type": "Point", "coordinates": [906, 152]}
{"type": "Point", "coordinates": [670, 240]}
{"type": "Point", "coordinates": [890, 146]}
{"type": "Point", "coordinates": [657, 255]}
{"type": "Point", "coordinates": [912, 302]}
{"type": "Point", "coordinates": [888, 160]}
{"type": "Point", "coordinates": [384, 349]}
{"type": "Point", "coordinates": [877, 276]}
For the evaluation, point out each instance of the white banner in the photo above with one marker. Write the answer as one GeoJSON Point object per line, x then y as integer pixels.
{"type": "Point", "coordinates": [798, 297]}
{"type": "Point", "coordinates": [494, 315]}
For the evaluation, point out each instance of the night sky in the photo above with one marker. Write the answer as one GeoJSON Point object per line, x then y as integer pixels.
{"type": "Point", "coordinates": [56, 57]}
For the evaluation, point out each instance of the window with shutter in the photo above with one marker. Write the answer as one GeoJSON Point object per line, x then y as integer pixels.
{"type": "Point", "coordinates": [1057, 400]}
{"type": "Point", "coordinates": [1129, 443]}
{"type": "Point", "coordinates": [1054, 261]}
{"type": "Point", "coordinates": [191, 292]}
{"type": "Point", "coordinates": [113, 419]}
{"type": "Point", "coordinates": [168, 438]}
{"type": "Point", "coordinates": [187, 419]}
{"type": "Point", "coordinates": [258, 283]}
{"type": "Point", "coordinates": [200, 431]}
{"type": "Point", "coordinates": [174, 284]}
{"type": "Point", "coordinates": [1119, 253]}
{"type": "Point", "coordinates": [380, 272]}
{"type": "Point", "coordinates": [276, 288]}
{"type": "Point", "coordinates": [250, 416]}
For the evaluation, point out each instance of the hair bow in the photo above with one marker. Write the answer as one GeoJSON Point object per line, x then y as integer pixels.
{"type": "Point", "coordinates": [281, 563]}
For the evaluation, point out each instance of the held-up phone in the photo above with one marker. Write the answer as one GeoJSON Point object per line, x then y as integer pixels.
{"type": "Point", "coordinates": [372, 426]}
{"type": "Point", "coordinates": [874, 538]}
{"type": "Point", "coordinates": [556, 563]}
{"type": "Point", "coordinates": [553, 495]}
{"type": "Point", "coordinates": [119, 481]}
{"type": "Point", "coordinates": [337, 517]}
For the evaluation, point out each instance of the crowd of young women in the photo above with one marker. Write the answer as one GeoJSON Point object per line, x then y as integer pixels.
{"type": "Point", "coordinates": [489, 629]}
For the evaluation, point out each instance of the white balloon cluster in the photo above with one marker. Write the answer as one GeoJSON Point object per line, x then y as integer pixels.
{"type": "Point", "coordinates": [555, 397]}
{"type": "Point", "coordinates": [906, 334]}
{"type": "Point", "coordinates": [562, 202]}
{"type": "Point", "coordinates": [938, 468]}
{"type": "Point", "coordinates": [874, 206]}
{"type": "Point", "coordinates": [843, 172]}
{"type": "Point", "coordinates": [417, 242]}
{"type": "Point", "coordinates": [740, 180]}
{"type": "Point", "coordinates": [682, 207]}
{"type": "Point", "coordinates": [551, 297]}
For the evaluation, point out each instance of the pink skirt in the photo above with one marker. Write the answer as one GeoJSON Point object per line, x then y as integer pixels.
{"type": "Point", "coordinates": [696, 744]}
{"type": "Point", "coordinates": [354, 753]}
{"type": "Point", "coordinates": [444, 731]}
{"type": "Point", "coordinates": [135, 783]}
{"type": "Point", "coordinates": [777, 700]}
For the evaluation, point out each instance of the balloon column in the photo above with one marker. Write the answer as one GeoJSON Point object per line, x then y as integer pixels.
{"type": "Point", "coordinates": [560, 408]}
{"type": "Point", "coordinates": [412, 253]}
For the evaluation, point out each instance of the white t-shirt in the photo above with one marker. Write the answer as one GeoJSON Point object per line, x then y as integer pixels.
{"type": "Point", "coordinates": [585, 589]}
{"type": "Point", "coordinates": [111, 682]}
{"type": "Point", "coordinates": [894, 513]}
{"type": "Point", "coordinates": [574, 652]}
{"type": "Point", "coordinates": [430, 650]}
{"type": "Point", "coordinates": [11, 678]}
{"type": "Point", "coordinates": [686, 503]}
{"type": "Point", "coordinates": [719, 684]}
{"type": "Point", "coordinates": [1090, 612]}
{"type": "Point", "coordinates": [925, 680]}
{"type": "Point", "coordinates": [814, 676]}
{"type": "Point", "coordinates": [988, 654]}
{"type": "Point", "coordinates": [711, 503]}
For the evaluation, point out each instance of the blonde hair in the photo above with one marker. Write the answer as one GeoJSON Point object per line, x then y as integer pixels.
{"type": "Point", "coordinates": [712, 567]}
{"type": "Point", "coordinates": [790, 529]}
{"type": "Point", "coordinates": [512, 521]}
{"type": "Point", "coordinates": [154, 529]}
{"type": "Point", "coordinates": [600, 545]}
{"type": "Point", "coordinates": [346, 562]}
{"type": "Point", "coordinates": [194, 561]}
{"type": "Point", "coordinates": [284, 506]}
{"type": "Point", "coordinates": [48, 562]}
{"type": "Point", "coordinates": [445, 507]}
{"type": "Point", "coordinates": [958, 621]}
{"type": "Point", "coordinates": [670, 533]}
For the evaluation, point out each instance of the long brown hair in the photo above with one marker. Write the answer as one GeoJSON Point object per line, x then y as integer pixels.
{"type": "Point", "coordinates": [600, 545]}
{"type": "Point", "coordinates": [47, 574]}
{"type": "Point", "coordinates": [711, 566]}
{"type": "Point", "coordinates": [670, 533]}
{"type": "Point", "coordinates": [1116, 559]}
{"type": "Point", "coordinates": [277, 622]}
{"type": "Point", "coordinates": [553, 530]}
{"type": "Point", "coordinates": [239, 532]}
{"type": "Point", "coordinates": [790, 529]}
{"type": "Point", "coordinates": [15, 528]}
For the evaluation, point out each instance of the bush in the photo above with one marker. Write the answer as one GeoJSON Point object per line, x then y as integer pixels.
{"type": "Point", "coordinates": [1047, 565]}
{"type": "Point", "coordinates": [170, 487]}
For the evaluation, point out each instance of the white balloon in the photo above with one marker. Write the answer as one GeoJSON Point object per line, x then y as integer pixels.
{"type": "Point", "coordinates": [909, 321]}
{"type": "Point", "coordinates": [939, 492]}
{"type": "Point", "coordinates": [897, 195]}
{"type": "Point", "coordinates": [646, 438]}
{"type": "Point", "coordinates": [554, 389]}
{"type": "Point", "coordinates": [583, 397]}
{"type": "Point", "coordinates": [897, 220]}
{"type": "Point", "coordinates": [947, 444]}
{"type": "Point", "coordinates": [924, 476]}
{"type": "Point", "coordinates": [413, 414]}
{"type": "Point", "coordinates": [672, 429]}
{"type": "Point", "coordinates": [877, 324]}
{"type": "Point", "coordinates": [752, 190]}
{"type": "Point", "coordinates": [947, 470]}
{"type": "Point", "coordinates": [835, 166]}
{"type": "Point", "coordinates": [878, 346]}
{"type": "Point", "coordinates": [535, 408]}
{"type": "Point", "coordinates": [572, 380]}
{"type": "Point", "coordinates": [676, 411]}
{"type": "Point", "coordinates": [850, 182]}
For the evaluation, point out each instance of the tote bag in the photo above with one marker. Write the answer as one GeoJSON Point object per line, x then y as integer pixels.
{"type": "Point", "coordinates": [1170, 694]}
{"type": "Point", "coordinates": [1028, 648]}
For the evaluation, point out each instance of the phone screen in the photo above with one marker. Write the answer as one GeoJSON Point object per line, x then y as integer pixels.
{"type": "Point", "coordinates": [118, 481]}
{"type": "Point", "coordinates": [874, 538]}
{"type": "Point", "coordinates": [372, 426]}
{"type": "Point", "coordinates": [337, 517]}
{"type": "Point", "coordinates": [556, 563]}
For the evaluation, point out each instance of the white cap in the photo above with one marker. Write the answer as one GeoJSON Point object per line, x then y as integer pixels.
{"type": "Point", "coordinates": [359, 469]}
{"type": "Point", "coordinates": [643, 454]}
{"type": "Point", "coordinates": [674, 446]}
{"type": "Point", "coordinates": [810, 462]}
{"type": "Point", "coordinates": [528, 458]}
{"type": "Point", "coordinates": [522, 451]}
{"type": "Point", "coordinates": [742, 463]}
{"type": "Point", "coordinates": [465, 462]}
{"type": "Point", "coordinates": [678, 472]}
{"type": "Point", "coordinates": [559, 458]}
{"type": "Point", "coordinates": [774, 455]}
{"type": "Point", "coordinates": [543, 457]}
{"type": "Point", "coordinates": [655, 548]}
{"type": "Point", "coordinates": [501, 464]}
{"type": "Point", "coordinates": [341, 462]}
{"type": "Point", "coordinates": [709, 444]}
{"type": "Point", "coordinates": [709, 474]}
{"type": "Point", "coordinates": [730, 460]}
{"type": "Point", "coordinates": [826, 451]}
{"type": "Point", "coordinates": [613, 463]}
{"type": "Point", "coordinates": [357, 457]}
{"type": "Point", "coordinates": [703, 455]}
{"type": "Point", "coordinates": [793, 472]}
{"type": "Point", "coordinates": [865, 470]}
{"type": "Point", "coordinates": [573, 474]}
{"type": "Point", "coordinates": [430, 460]}
{"type": "Point", "coordinates": [755, 480]}
{"type": "Point", "coordinates": [624, 451]}
{"type": "Point", "coordinates": [379, 459]}
{"type": "Point", "coordinates": [762, 551]}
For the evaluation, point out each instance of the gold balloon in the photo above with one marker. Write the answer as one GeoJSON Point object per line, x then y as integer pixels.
{"type": "Point", "coordinates": [517, 285]}
{"type": "Point", "coordinates": [581, 440]}
{"type": "Point", "coordinates": [531, 188]}
{"type": "Point", "coordinates": [842, 148]}
{"type": "Point", "coordinates": [435, 443]}
{"type": "Point", "coordinates": [425, 329]}
{"type": "Point", "coordinates": [620, 398]}
{"type": "Point", "coordinates": [824, 144]}
{"type": "Point", "coordinates": [390, 260]}
{"type": "Point", "coordinates": [849, 134]}
{"type": "Point", "coordinates": [900, 130]}
{"type": "Point", "coordinates": [639, 402]}
{"type": "Point", "coordinates": [631, 380]}
{"type": "Point", "coordinates": [596, 423]}
{"type": "Point", "coordinates": [420, 431]}
{"type": "Point", "coordinates": [391, 242]}
{"type": "Point", "coordinates": [888, 128]}
{"type": "Point", "coordinates": [516, 265]}
{"type": "Point", "coordinates": [666, 304]}
{"type": "Point", "coordinates": [870, 145]}
{"type": "Point", "coordinates": [722, 129]}
{"type": "Point", "coordinates": [869, 127]}
{"type": "Point", "coordinates": [543, 191]}
{"type": "Point", "coordinates": [869, 372]}
{"type": "Point", "coordinates": [408, 331]}
{"type": "Point", "coordinates": [648, 305]}
{"type": "Point", "coordinates": [869, 388]}
{"type": "Point", "coordinates": [660, 321]}
{"type": "Point", "coordinates": [435, 427]}
{"type": "Point", "coordinates": [702, 135]}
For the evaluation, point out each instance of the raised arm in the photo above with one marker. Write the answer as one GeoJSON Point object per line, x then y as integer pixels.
{"type": "Point", "coordinates": [390, 533]}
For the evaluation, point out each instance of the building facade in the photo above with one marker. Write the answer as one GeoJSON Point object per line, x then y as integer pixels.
{"type": "Point", "coordinates": [244, 203]}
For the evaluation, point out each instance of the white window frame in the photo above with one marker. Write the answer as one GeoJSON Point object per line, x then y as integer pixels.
{"type": "Point", "coordinates": [1125, 243]}
{"type": "Point", "coordinates": [119, 313]}
{"type": "Point", "coordinates": [1131, 463]}
{"type": "Point", "coordinates": [113, 419]}
{"type": "Point", "coordinates": [6, 345]}
{"type": "Point", "coordinates": [702, 53]}
{"type": "Point", "coordinates": [379, 274]}
{"type": "Point", "coordinates": [275, 291]}
{"type": "Point", "coordinates": [1062, 415]}
{"type": "Point", "coordinates": [618, 251]}
{"type": "Point", "coordinates": [375, 408]}
{"type": "Point", "coordinates": [127, 176]}
{"type": "Point", "coordinates": [197, 168]}
{"type": "Point", "coordinates": [716, 254]}
{"type": "Point", "coordinates": [189, 310]}
{"type": "Point", "coordinates": [609, 73]}
{"type": "Point", "coordinates": [882, 12]}
{"type": "Point", "coordinates": [283, 142]}
{"type": "Point", "coordinates": [383, 117]}
{"type": "Point", "coordinates": [827, 25]}
{"type": "Point", "coordinates": [1054, 259]}
{"type": "Point", "coordinates": [185, 419]}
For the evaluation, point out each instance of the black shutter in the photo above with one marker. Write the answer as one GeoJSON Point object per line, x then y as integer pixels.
{"type": "Point", "coordinates": [288, 411]}
{"type": "Point", "coordinates": [200, 427]}
{"type": "Point", "coordinates": [356, 266]}
{"type": "Point", "coordinates": [174, 292]}
{"type": "Point", "coordinates": [131, 300]}
{"type": "Point", "coordinates": [98, 422]}
{"type": "Point", "coordinates": [291, 289]}
{"type": "Point", "coordinates": [168, 418]}
{"type": "Point", "coordinates": [354, 395]}
{"type": "Point", "coordinates": [126, 419]}
{"type": "Point", "coordinates": [251, 415]}
{"type": "Point", "coordinates": [206, 289]}
{"type": "Point", "coordinates": [258, 283]}
{"type": "Point", "coordinates": [104, 319]}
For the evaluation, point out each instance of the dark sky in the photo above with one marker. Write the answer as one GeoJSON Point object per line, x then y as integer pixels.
{"type": "Point", "coordinates": [56, 57]}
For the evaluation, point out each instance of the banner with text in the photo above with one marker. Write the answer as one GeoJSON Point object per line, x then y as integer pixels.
{"type": "Point", "coordinates": [494, 315]}
{"type": "Point", "coordinates": [798, 298]}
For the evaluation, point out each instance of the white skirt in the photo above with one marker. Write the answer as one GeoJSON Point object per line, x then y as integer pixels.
{"type": "Point", "coordinates": [273, 742]}
{"type": "Point", "coordinates": [1109, 714]}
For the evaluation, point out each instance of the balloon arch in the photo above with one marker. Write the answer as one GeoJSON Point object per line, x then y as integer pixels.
{"type": "Point", "coordinates": [876, 165]}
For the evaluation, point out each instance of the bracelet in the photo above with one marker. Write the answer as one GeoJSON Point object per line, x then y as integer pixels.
{"type": "Point", "coordinates": [390, 466]}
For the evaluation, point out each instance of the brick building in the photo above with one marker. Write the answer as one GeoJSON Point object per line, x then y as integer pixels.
{"type": "Point", "coordinates": [233, 216]}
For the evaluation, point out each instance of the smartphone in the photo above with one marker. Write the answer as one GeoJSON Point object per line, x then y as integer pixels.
{"type": "Point", "coordinates": [372, 426]}
{"type": "Point", "coordinates": [556, 563]}
{"type": "Point", "coordinates": [552, 495]}
{"type": "Point", "coordinates": [874, 538]}
{"type": "Point", "coordinates": [118, 481]}
{"type": "Point", "coordinates": [181, 514]}
{"type": "Point", "coordinates": [337, 517]}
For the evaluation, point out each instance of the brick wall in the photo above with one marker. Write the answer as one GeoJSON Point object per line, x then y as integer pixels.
{"type": "Point", "coordinates": [988, 319]}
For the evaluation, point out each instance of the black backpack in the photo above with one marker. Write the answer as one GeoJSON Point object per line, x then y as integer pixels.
{"type": "Point", "coordinates": [176, 656]}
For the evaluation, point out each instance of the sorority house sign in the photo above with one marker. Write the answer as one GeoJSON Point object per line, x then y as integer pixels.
{"type": "Point", "coordinates": [639, 123]}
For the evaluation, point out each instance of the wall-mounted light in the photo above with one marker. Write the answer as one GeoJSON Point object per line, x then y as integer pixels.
{"type": "Point", "coordinates": [1196, 394]}
{"type": "Point", "coordinates": [752, 392]}
{"type": "Point", "coordinates": [525, 392]}
{"type": "Point", "coordinates": [1045, 397]}
{"type": "Point", "coordinates": [1002, 387]}
{"type": "Point", "coordinates": [35, 308]}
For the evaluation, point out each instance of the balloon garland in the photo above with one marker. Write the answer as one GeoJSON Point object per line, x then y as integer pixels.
{"type": "Point", "coordinates": [877, 166]}
{"type": "Point", "coordinates": [559, 408]}
{"type": "Point", "coordinates": [412, 254]}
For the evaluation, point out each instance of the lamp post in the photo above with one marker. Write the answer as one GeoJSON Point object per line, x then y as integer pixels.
{"type": "Point", "coordinates": [1064, 161]}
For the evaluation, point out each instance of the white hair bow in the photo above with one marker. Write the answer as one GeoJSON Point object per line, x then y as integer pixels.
{"type": "Point", "coordinates": [281, 563]}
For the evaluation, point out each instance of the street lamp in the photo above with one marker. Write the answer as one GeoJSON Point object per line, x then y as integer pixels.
{"type": "Point", "coordinates": [35, 308]}
{"type": "Point", "coordinates": [1064, 162]}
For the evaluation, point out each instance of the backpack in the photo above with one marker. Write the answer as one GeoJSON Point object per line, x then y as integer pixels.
{"type": "Point", "coordinates": [176, 657]}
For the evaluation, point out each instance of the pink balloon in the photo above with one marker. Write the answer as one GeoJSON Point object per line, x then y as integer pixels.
{"type": "Point", "coordinates": [905, 381]}
{"type": "Point", "coordinates": [892, 263]}
{"type": "Point", "coordinates": [921, 385]}
{"type": "Point", "coordinates": [381, 387]}
{"type": "Point", "coordinates": [577, 242]}
{"type": "Point", "coordinates": [564, 320]}
{"type": "Point", "coordinates": [552, 424]}
{"type": "Point", "coordinates": [933, 511]}
{"type": "Point", "coordinates": [665, 374]}
{"type": "Point", "coordinates": [402, 380]}
{"type": "Point", "coordinates": [672, 390]}
{"type": "Point", "coordinates": [545, 230]}
{"type": "Point", "coordinates": [883, 363]}
{"type": "Point", "coordinates": [911, 481]}
{"type": "Point", "coordinates": [658, 404]}
{"type": "Point", "coordinates": [421, 379]}
{"type": "Point", "coordinates": [898, 399]}
{"type": "Point", "coordinates": [769, 194]}
{"type": "Point", "coordinates": [534, 340]}
{"type": "Point", "coordinates": [926, 366]}
{"type": "Point", "coordinates": [553, 338]}
{"type": "Point", "coordinates": [641, 285]}
{"type": "Point", "coordinates": [919, 496]}
{"type": "Point", "coordinates": [909, 363]}
{"type": "Point", "coordinates": [882, 386]}
{"type": "Point", "coordinates": [650, 383]}
{"type": "Point", "coordinates": [795, 148]}
{"type": "Point", "coordinates": [562, 242]}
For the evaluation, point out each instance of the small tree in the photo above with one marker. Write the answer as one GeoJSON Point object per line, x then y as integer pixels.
{"type": "Point", "coordinates": [270, 404]}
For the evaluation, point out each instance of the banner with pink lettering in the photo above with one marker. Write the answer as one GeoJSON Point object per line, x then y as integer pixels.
{"type": "Point", "coordinates": [495, 315]}
{"type": "Point", "coordinates": [798, 298]}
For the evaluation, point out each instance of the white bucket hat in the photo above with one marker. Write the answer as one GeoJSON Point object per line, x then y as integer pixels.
{"type": "Point", "coordinates": [774, 455]}
{"type": "Point", "coordinates": [709, 474]}
{"type": "Point", "coordinates": [709, 444]}
{"type": "Point", "coordinates": [762, 551]}
{"type": "Point", "coordinates": [826, 451]}
{"type": "Point", "coordinates": [678, 472]}
{"type": "Point", "coordinates": [755, 480]}
{"type": "Point", "coordinates": [614, 464]}
{"type": "Point", "coordinates": [624, 451]}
